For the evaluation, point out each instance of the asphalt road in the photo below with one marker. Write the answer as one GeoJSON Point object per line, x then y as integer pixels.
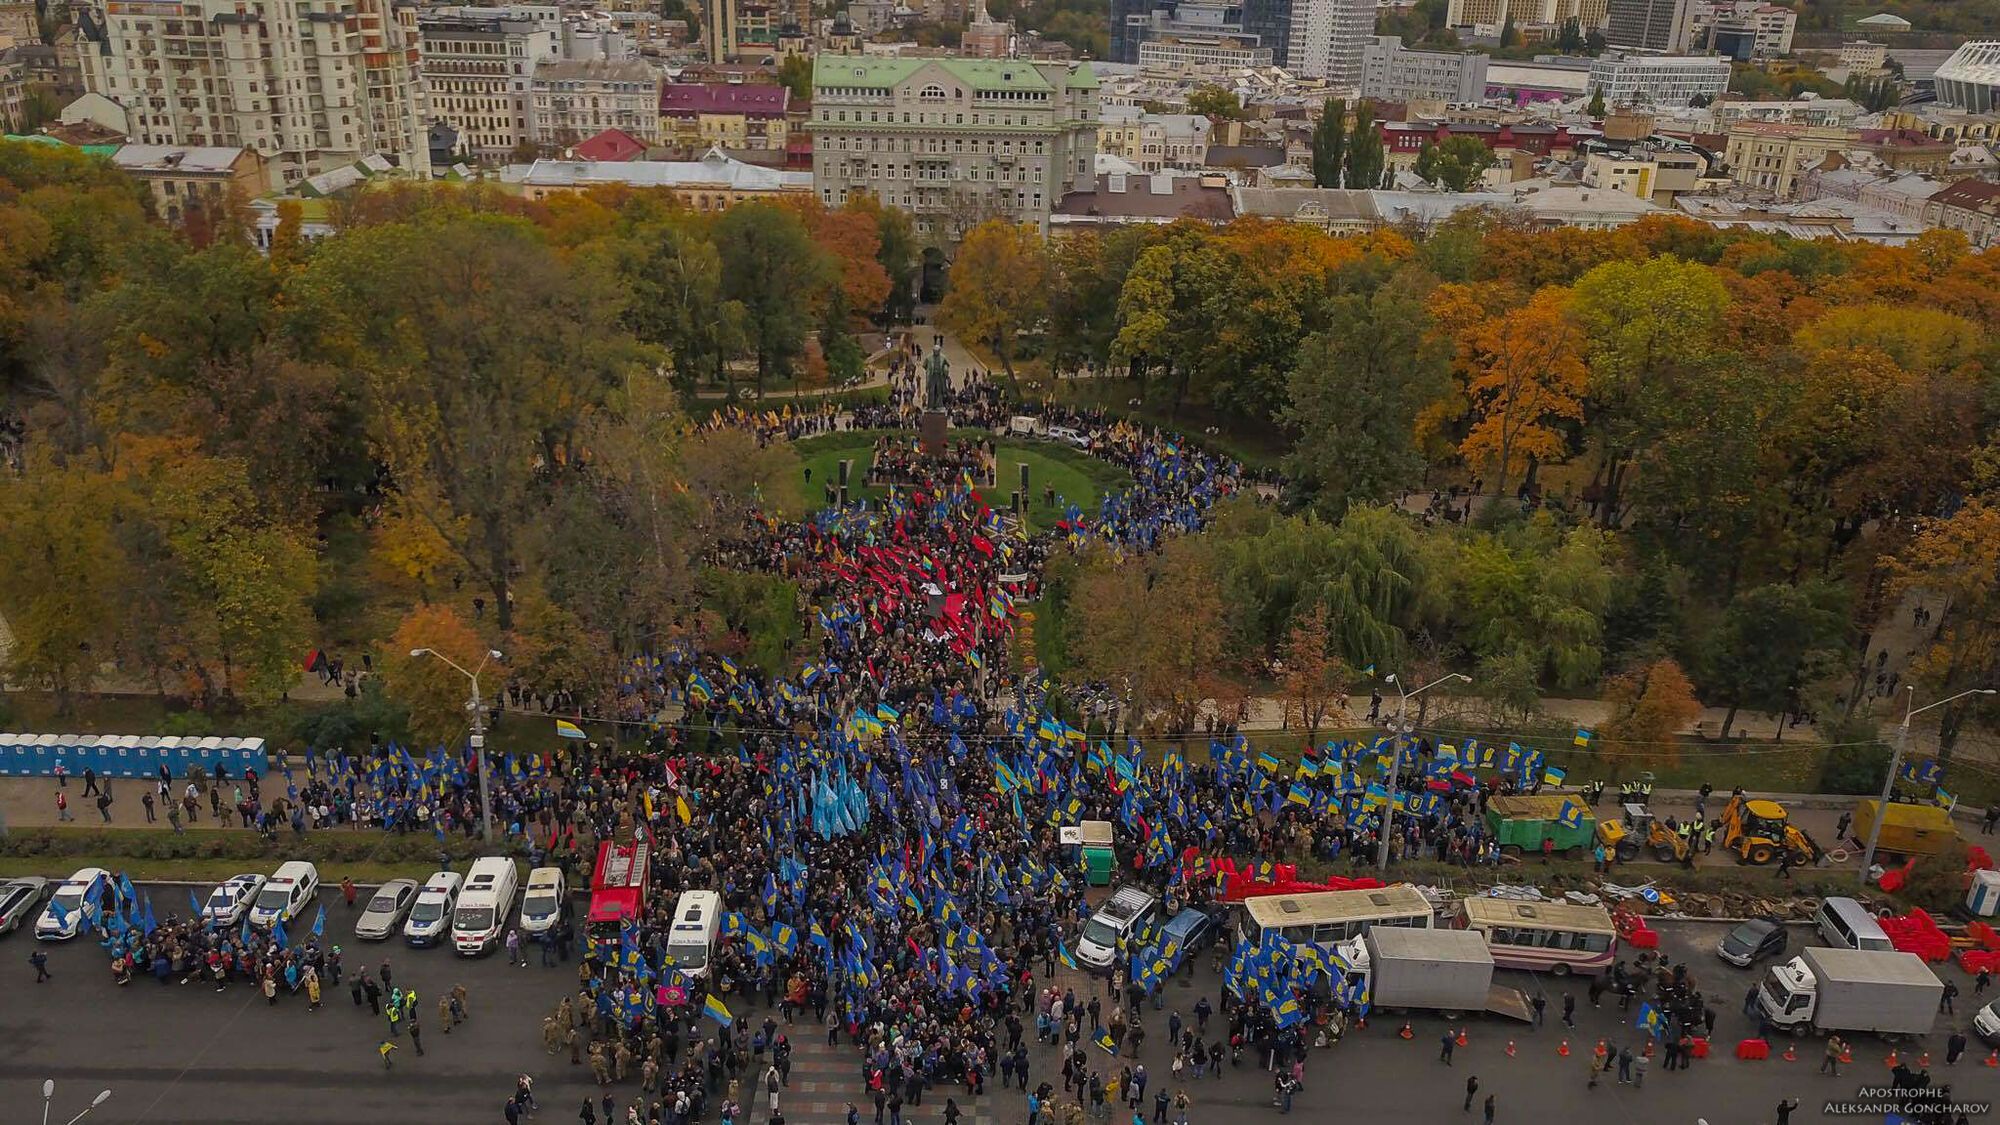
{"type": "Point", "coordinates": [188, 1054]}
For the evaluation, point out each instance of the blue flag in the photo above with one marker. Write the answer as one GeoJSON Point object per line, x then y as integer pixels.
{"type": "Point", "coordinates": [319, 923]}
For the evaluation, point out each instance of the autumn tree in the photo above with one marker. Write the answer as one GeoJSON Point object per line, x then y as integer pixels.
{"type": "Point", "coordinates": [432, 692]}
{"type": "Point", "coordinates": [1216, 103]}
{"type": "Point", "coordinates": [1116, 634]}
{"type": "Point", "coordinates": [1525, 377]}
{"type": "Point", "coordinates": [1954, 563]}
{"type": "Point", "coordinates": [60, 600]}
{"type": "Point", "coordinates": [1314, 679]}
{"type": "Point", "coordinates": [1652, 705]}
{"type": "Point", "coordinates": [999, 289]}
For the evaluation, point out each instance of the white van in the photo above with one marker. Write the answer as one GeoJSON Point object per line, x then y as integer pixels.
{"type": "Point", "coordinates": [1068, 436]}
{"type": "Point", "coordinates": [286, 894]}
{"type": "Point", "coordinates": [1128, 916]}
{"type": "Point", "coordinates": [697, 921]}
{"type": "Point", "coordinates": [430, 918]}
{"type": "Point", "coordinates": [1024, 425]}
{"type": "Point", "coordinates": [63, 918]}
{"type": "Point", "coordinates": [1846, 923]}
{"type": "Point", "coordinates": [543, 905]}
{"type": "Point", "coordinates": [483, 906]}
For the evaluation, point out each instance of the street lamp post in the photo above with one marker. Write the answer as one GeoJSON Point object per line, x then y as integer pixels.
{"type": "Point", "coordinates": [1402, 729]}
{"type": "Point", "coordinates": [1896, 762]}
{"type": "Point", "coordinates": [49, 1093]}
{"type": "Point", "coordinates": [477, 706]}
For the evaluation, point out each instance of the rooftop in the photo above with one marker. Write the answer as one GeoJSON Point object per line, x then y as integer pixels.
{"type": "Point", "coordinates": [596, 70]}
{"type": "Point", "coordinates": [611, 144]}
{"type": "Point", "coordinates": [1159, 197]}
{"type": "Point", "coordinates": [747, 98]}
{"type": "Point", "coordinates": [207, 160]}
{"type": "Point", "coordinates": [836, 71]}
{"type": "Point", "coordinates": [714, 170]}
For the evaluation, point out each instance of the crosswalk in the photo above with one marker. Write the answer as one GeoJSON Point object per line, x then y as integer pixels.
{"type": "Point", "coordinates": [825, 1080]}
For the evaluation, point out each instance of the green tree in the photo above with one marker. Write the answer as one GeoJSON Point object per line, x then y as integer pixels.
{"type": "Point", "coordinates": [1364, 149]}
{"type": "Point", "coordinates": [1595, 110]}
{"type": "Point", "coordinates": [1329, 143]}
{"type": "Point", "coordinates": [1569, 40]}
{"type": "Point", "coordinates": [772, 268]}
{"type": "Point", "coordinates": [796, 74]}
{"type": "Point", "coordinates": [674, 273]}
{"type": "Point", "coordinates": [1772, 642]}
{"type": "Point", "coordinates": [1356, 392]}
{"type": "Point", "coordinates": [1215, 102]}
{"type": "Point", "coordinates": [1456, 165]}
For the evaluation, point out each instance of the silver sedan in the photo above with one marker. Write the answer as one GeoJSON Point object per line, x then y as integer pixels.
{"type": "Point", "coordinates": [386, 909]}
{"type": "Point", "coordinates": [21, 899]}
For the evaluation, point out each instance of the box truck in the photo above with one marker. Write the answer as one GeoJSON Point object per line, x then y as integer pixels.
{"type": "Point", "coordinates": [1881, 991]}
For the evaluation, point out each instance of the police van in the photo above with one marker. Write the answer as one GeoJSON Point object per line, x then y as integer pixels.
{"type": "Point", "coordinates": [286, 894]}
{"type": "Point", "coordinates": [697, 922]}
{"type": "Point", "coordinates": [63, 918]}
{"type": "Point", "coordinates": [483, 905]}
{"type": "Point", "coordinates": [546, 900]}
{"type": "Point", "coordinates": [430, 918]}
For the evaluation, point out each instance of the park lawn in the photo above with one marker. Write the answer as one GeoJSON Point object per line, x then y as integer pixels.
{"type": "Point", "coordinates": [1257, 445]}
{"type": "Point", "coordinates": [1076, 476]}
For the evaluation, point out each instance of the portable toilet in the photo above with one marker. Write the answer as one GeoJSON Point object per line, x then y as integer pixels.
{"type": "Point", "coordinates": [1098, 856]}
{"type": "Point", "coordinates": [1983, 900]}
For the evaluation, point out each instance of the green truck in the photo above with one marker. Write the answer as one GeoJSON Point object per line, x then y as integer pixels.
{"type": "Point", "coordinates": [1520, 824]}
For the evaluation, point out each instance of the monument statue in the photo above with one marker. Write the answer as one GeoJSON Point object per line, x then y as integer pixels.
{"type": "Point", "coordinates": [937, 378]}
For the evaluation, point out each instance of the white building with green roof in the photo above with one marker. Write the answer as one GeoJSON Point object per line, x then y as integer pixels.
{"type": "Point", "coordinates": [954, 141]}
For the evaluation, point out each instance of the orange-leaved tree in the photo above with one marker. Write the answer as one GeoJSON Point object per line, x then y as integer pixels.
{"type": "Point", "coordinates": [1524, 375]}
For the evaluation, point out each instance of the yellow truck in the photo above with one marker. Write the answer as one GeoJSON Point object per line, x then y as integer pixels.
{"type": "Point", "coordinates": [1907, 830]}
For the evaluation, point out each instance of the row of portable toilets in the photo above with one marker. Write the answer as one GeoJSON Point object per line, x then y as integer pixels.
{"type": "Point", "coordinates": [127, 755]}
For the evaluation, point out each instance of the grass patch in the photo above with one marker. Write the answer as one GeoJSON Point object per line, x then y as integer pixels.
{"type": "Point", "coordinates": [1259, 445]}
{"type": "Point", "coordinates": [1076, 476]}
{"type": "Point", "coordinates": [158, 853]}
{"type": "Point", "coordinates": [207, 870]}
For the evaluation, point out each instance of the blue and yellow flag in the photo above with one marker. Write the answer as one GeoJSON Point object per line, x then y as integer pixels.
{"type": "Point", "coordinates": [714, 1009]}
{"type": "Point", "coordinates": [1582, 737]}
{"type": "Point", "coordinates": [567, 729]}
{"type": "Point", "coordinates": [1554, 775]}
{"type": "Point", "coordinates": [1105, 1041]}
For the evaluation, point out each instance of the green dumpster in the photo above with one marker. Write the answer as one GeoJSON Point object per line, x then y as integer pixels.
{"type": "Point", "coordinates": [1099, 858]}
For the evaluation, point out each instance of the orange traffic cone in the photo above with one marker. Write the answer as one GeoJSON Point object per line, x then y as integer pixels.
{"type": "Point", "coordinates": [1924, 1061]}
{"type": "Point", "coordinates": [1993, 1058]}
{"type": "Point", "coordinates": [1510, 1048]}
{"type": "Point", "coordinates": [1563, 1050]}
{"type": "Point", "coordinates": [1846, 1053]}
{"type": "Point", "coordinates": [1406, 1033]}
{"type": "Point", "coordinates": [1461, 1038]}
{"type": "Point", "coordinates": [1892, 1060]}
{"type": "Point", "coordinates": [1791, 1053]}
{"type": "Point", "coordinates": [1649, 1048]}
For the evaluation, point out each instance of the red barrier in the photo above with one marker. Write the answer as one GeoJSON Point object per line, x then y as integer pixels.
{"type": "Point", "coordinates": [1242, 882]}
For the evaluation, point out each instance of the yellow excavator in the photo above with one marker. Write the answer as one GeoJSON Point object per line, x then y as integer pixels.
{"type": "Point", "coordinates": [1641, 830]}
{"type": "Point", "coordinates": [1756, 830]}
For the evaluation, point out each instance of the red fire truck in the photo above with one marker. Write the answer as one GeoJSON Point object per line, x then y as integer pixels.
{"type": "Point", "coordinates": [618, 886]}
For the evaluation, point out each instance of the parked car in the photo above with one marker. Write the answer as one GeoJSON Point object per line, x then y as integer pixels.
{"type": "Point", "coordinates": [1752, 941]}
{"type": "Point", "coordinates": [430, 918]}
{"type": "Point", "coordinates": [386, 909]}
{"type": "Point", "coordinates": [228, 903]}
{"type": "Point", "coordinates": [20, 899]}
{"type": "Point", "coordinates": [63, 918]}
{"type": "Point", "coordinates": [1986, 1024]}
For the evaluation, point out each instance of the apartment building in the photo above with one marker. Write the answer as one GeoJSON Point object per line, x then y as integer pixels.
{"type": "Point", "coordinates": [573, 101]}
{"type": "Point", "coordinates": [735, 115]}
{"type": "Point", "coordinates": [1969, 206]}
{"type": "Point", "coordinates": [184, 179]}
{"type": "Point", "coordinates": [477, 74]}
{"type": "Point", "coordinates": [1391, 72]}
{"type": "Point", "coordinates": [1329, 38]}
{"type": "Point", "coordinates": [954, 141]}
{"type": "Point", "coordinates": [1647, 25]}
{"type": "Point", "coordinates": [1775, 157]}
{"type": "Point", "coordinates": [311, 85]}
{"type": "Point", "coordinates": [1658, 79]}
{"type": "Point", "coordinates": [1487, 17]}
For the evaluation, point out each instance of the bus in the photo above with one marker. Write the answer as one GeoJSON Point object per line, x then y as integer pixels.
{"type": "Point", "coordinates": [697, 922]}
{"type": "Point", "coordinates": [1544, 937]}
{"type": "Point", "coordinates": [618, 886]}
{"type": "Point", "coordinates": [1325, 918]}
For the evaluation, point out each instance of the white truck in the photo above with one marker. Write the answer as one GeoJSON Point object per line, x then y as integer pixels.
{"type": "Point", "coordinates": [1448, 971]}
{"type": "Point", "coordinates": [1865, 990]}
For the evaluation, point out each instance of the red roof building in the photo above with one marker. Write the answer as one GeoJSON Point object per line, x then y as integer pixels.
{"type": "Point", "coordinates": [734, 115]}
{"type": "Point", "coordinates": [614, 145]}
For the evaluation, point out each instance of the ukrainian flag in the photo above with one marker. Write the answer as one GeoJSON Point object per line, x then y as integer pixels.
{"type": "Point", "coordinates": [1554, 775]}
{"type": "Point", "coordinates": [714, 1009]}
{"type": "Point", "coordinates": [1582, 737]}
{"type": "Point", "coordinates": [568, 729]}
{"type": "Point", "coordinates": [1063, 955]}
{"type": "Point", "coordinates": [1105, 1041]}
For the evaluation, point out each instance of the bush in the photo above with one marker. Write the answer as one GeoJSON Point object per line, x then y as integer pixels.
{"type": "Point", "coordinates": [1856, 768]}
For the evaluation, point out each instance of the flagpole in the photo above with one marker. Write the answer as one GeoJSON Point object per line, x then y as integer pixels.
{"type": "Point", "coordinates": [1402, 730]}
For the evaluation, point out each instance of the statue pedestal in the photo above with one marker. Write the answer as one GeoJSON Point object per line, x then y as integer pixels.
{"type": "Point", "coordinates": [931, 431]}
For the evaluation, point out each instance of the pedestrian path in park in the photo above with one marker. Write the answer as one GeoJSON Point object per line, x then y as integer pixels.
{"type": "Point", "coordinates": [824, 1079]}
